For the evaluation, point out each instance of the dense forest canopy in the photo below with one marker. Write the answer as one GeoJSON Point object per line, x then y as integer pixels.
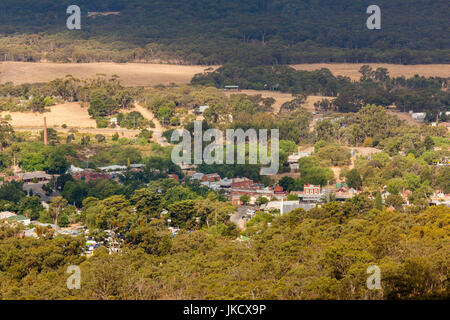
{"type": "Point", "coordinates": [215, 32]}
{"type": "Point", "coordinates": [322, 254]}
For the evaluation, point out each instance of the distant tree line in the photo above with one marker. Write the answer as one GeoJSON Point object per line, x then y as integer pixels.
{"type": "Point", "coordinates": [217, 32]}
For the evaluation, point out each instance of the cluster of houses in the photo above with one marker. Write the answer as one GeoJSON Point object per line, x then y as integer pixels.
{"type": "Point", "coordinates": [237, 187]}
{"type": "Point", "coordinates": [311, 195]}
{"type": "Point", "coordinates": [245, 186]}
{"type": "Point", "coordinates": [103, 173]}
{"type": "Point", "coordinates": [32, 232]}
{"type": "Point", "coordinates": [12, 217]}
{"type": "Point", "coordinates": [36, 180]}
{"type": "Point", "coordinates": [438, 198]}
{"type": "Point", "coordinates": [234, 189]}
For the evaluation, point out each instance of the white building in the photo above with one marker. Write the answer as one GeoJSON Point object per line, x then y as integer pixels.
{"type": "Point", "coordinates": [19, 218]}
{"type": "Point", "coordinates": [287, 206]}
{"type": "Point", "coordinates": [202, 109]}
{"type": "Point", "coordinates": [6, 215]}
{"type": "Point", "coordinates": [293, 160]}
{"type": "Point", "coordinates": [418, 116]}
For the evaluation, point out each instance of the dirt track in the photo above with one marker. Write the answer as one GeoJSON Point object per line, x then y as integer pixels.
{"type": "Point", "coordinates": [158, 129]}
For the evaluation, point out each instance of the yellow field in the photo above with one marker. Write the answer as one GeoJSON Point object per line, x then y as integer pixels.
{"type": "Point", "coordinates": [130, 74]}
{"type": "Point", "coordinates": [395, 70]}
{"type": "Point", "coordinates": [76, 117]}
{"type": "Point", "coordinates": [71, 114]}
{"type": "Point", "coordinates": [142, 74]}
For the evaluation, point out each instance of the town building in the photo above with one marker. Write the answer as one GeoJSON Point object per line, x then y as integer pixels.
{"type": "Point", "coordinates": [137, 167]}
{"type": "Point", "coordinates": [245, 186]}
{"type": "Point", "coordinates": [211, 177]}
{"type": "Point", "coordinates": [443, 162]}
{"type": "Point", "coordinates": [6, 215]}
{"type": "Point", "coordinates": [232, 88]}
{"type": "Point", "coordinates": [89, 176]}
{"type": "Point", "coordinates": [202, 109]}
{"type": "Point", "coordinates": [19, 218]}
{"type": "Point", "coordinates": [74, 169]}
{"type": "Point", "coordinates": [293, 160]}
{"type": "Point", "coordinates": [343, 192]}
{"type": "Point", "coordinates": [242, 183]}
{"type": "Point", "coordinates": [285, 207]}
{"type": "Point", "coordinates": [174, 177]}
{"type": "Point", "coordinates": [30, 233]}
{"type": "Point", "coordinates": [418, 116]}
{"type": "Point", "coordinates": [439, 198]}
{"type": "Point", "coordinates": [113, 168]}
{"type": "Point", "coordinates": [311, 194]}
{"type": "Point", "coordinates": [45, 225]}
{"type": "Point", "coordinates": [30, 177]}
{"type": "Point", "coordinates": [222, 184]}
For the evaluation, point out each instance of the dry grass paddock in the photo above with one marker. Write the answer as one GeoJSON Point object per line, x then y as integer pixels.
{"type": "Point", "coordinates": [71, 114]}
{"type": "Point", "coordinates": [395, 70]}
{"type": "Point", "coordinates": [130, 74]}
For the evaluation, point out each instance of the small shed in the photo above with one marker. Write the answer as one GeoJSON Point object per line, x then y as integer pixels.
{"type": "Point", "coordinates": [232, 88]}
{"type": "Point", "coordinates": [202, 109]}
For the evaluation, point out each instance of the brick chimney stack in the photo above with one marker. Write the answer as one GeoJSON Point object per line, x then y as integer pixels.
{"type": "Point", "coordinates": [45, 131]}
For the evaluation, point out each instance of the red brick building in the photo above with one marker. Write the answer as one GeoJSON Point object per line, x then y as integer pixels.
{"type": "Point", "coordinates": [174, 177]}
{"type": "Point", "coordinates": [242, 183]}
{"type": "Point", "coordinates": [212, 177]}
{"type": "Point", "coordinates": [245, 186]}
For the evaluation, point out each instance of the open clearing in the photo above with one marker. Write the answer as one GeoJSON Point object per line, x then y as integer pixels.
{"type": "Point", "coordinates": [402, 116]}
{"type": "Point", "coordinates": [395, 70]}
{"type": "Point", "coordinates": [76, 117]}
{"type": "Point", "coordinates": [130, 74]}
{"type": "Point", "coordinates": [279, 97]}
{"type": "Point", "coordinates": [71, 114]}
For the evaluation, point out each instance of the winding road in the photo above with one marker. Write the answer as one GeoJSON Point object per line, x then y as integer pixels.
{"type": "Point", "coordinates": [158, 129]}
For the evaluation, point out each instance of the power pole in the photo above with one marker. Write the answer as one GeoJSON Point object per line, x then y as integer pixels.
{"type": "Point", "coordinates": [45, 132]}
